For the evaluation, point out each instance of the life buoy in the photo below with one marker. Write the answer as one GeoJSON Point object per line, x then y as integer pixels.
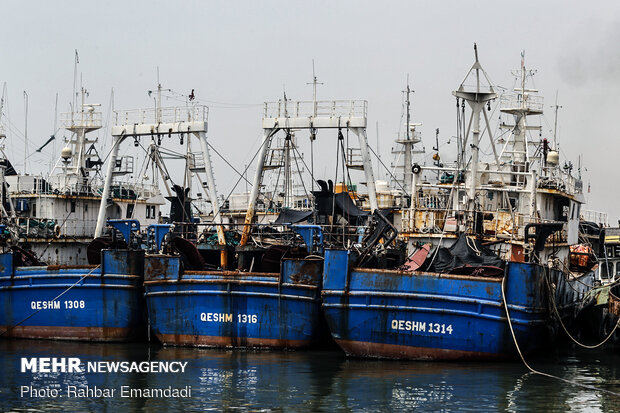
{"type": "Point", "coordinates": [56, 231]}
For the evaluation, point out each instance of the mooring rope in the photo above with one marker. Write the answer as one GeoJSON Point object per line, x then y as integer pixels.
{"type": "Point", "coordinates": [514, 337]}
{"type": "Point", "coordinates": [557, 313]}
{"type": "Point", "coordinates": [54, 299]}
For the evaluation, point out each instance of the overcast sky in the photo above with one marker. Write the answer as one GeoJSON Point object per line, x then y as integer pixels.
{"type": "Point", "coordinates": [238, 54]}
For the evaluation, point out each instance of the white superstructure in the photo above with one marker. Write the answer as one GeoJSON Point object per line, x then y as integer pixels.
{"type": "Point", "coordinates": [57, 214]}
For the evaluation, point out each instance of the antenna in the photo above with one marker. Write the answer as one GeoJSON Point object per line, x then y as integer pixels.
{"type": "Point", "coordinates": [408, 91]}
{"type": "Point", "coordinates": [555, 123]}
{"type": "Point", "coordinates": [314, 83]}
{"type": "Point", "coordinates": [158, 97]}
{"type": "Point", "coordinates": [2, 133]}
{"type": "Point", "coordinates": [378, 152]}
{"type": "Point", "coordinates": [75, 63]}
{"type": "Point", "coordinates": [314, 112]}
{"type": "Point", "coordinates": [2, 98]}
{"type": "Point", "coordinates": [25, 131]}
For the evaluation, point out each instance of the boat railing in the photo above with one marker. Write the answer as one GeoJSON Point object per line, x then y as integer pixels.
{"type": "Point", "coordinates": [561, 180]}
{"type": "Point", "coordinates": [429, 200]}
{"type": "Point", "coordinates": [505, 180]}
{"type": "Point", "coordinates": [598, 217]}
{"type": "Point", "coordinates": [414, 137]}
{"type": "Point", "coordinates": [501, 223]}
{"type": "Point", "coordinates": [162, 115]}
{"type": "Point", "coordinates": [86, 119]}
{"type": "Point", "coordinates": [323, 108]}
{"type": "Point", "coordinates": [48, 228]}
{"type": "Point", "coordinates": [516, 101]}
{"type": "Point", "coordinates": [29, 184]}
{"type": "Point", "coordinates": [125, 190]}
{"type": "Point", "coordinates": [54, 185]}
{"type": "Point", "coordinates": [267, 232]}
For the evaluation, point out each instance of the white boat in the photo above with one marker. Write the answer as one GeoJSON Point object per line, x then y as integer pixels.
{"type": "Point", "coordinates": [56, 214]}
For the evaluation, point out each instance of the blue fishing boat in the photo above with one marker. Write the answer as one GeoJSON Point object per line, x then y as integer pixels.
{"type": "Point", "coordinates": [491, 269]}
{"type": "Point", "coordinates": [82, 302]}
{"type": "Point", "coordinates": [233, 308]}
{"type": "Point", "coordinates": [427, 315]}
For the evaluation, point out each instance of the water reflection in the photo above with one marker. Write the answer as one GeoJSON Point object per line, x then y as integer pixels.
{"type": "Point", "coordinates": [313, 381]}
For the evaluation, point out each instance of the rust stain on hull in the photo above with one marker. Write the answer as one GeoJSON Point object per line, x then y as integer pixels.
{"type": "Point", "coordinates": [309, 273]}
{"type": "Point", "coordinates": [229, 342]}
{"type": "Point", "coordinates": [70, 267]}
{"type": "Point", "coordinates": [392, 351]}
{"type": "Point", "coordinates": [74, 333]}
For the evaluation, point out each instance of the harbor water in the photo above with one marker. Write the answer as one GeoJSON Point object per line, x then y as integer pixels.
{"type": "Point", "coordinates": [318, 381]}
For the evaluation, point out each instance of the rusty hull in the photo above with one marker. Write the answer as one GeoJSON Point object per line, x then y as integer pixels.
{"type": "Point", "coordinates": [99, 334]}
{"type": "Point", "coordinates": [188, 340]}
{"type": "Point", "coordinates": [392, 351]}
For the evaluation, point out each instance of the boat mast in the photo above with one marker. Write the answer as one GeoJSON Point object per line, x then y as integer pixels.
{"type": "Point", "coordinates": [81, 122]}
{"type": "Point", "coordinates": [337, 113]}
{"type": "Point", "coordinates": [523, 103]}
{"type": "Point", "coordinates": [313, 130]}
{"type": "Point", "coordinates": [520, 148]}
{"type": "Point", "coordinates": [476, 100]}
{"type": "Point", "coordinates": [288, 185]}
{"type": "Point", "coordinates": [144, 123]}
{"type": "Point", "coordinates": [4, 193]}
{"type": "Point", "coordinates": [408, 144]}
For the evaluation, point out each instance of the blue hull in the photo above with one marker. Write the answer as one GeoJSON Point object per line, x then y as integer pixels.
{"type": "Point", "coordinates": [393, 314]}
{"type": "Point", "coordinates": [106, 304]}
{"type": "Point", "coordinates": [234, 309]}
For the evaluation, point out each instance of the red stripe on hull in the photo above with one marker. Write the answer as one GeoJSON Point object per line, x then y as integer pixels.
{"type": "Point", "coordinates": [393, 351]}
{"type": "Point", "coordinates": [72, 333]}
{"type": "Point", "coordinates": [228, 342]}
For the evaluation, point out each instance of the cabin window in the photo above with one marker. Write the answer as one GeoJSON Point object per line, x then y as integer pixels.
{"type": "Point", "coordinates": [34, 209]}
{"type": "Point", "coordinates": [73, 203]}
{"type": "Point", "coordinates": [462, 196]}
{"type": "Point", "coordinates": [129, 211]}
{"type": "Point", "coordinates": [610, 251]}
{"type": "Point", "coordinates": [514, 203]}
{"type": "Point", "coordinates": [85, 207]}
{"type": "Point", "coordinates": [617, 270]}
{"type": "Point", "coordinates": [150, 211]}
{"type": "Point", "coordinates": [606, 269]}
